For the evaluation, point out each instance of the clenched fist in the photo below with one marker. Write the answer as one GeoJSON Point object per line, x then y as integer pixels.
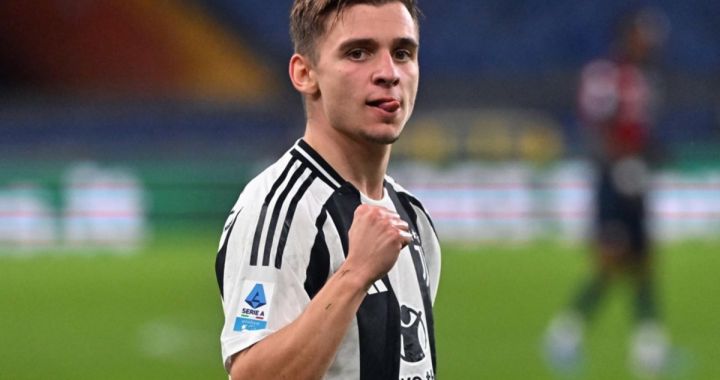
{"type": "Point", "coordinates": [375, 239]}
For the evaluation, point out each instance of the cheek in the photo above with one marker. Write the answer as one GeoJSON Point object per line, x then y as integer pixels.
{"type": "Point", "coordinates": [338, 87]}
{"type": "Point", "coordinates": [411, 89]}
{"type": "Point", "coordinates": [412, 76]}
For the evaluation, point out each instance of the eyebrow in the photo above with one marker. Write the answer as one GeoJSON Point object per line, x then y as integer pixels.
{"type": "Point", "coordinates": [405, 42]}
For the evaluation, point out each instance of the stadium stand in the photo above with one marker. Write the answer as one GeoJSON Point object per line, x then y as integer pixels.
{"type": "Point", "coordinates": [203, 82]}
{"type": "Point", "coordinates": [504, 55]}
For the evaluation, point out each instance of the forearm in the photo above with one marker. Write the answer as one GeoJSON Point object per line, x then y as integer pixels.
{"type": "Point", "coordinates": [305, 348]}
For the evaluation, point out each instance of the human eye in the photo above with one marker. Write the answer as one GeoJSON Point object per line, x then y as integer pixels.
{"type": "Point", "coordinates": [357, 54]}
{"type": "Point", "coordinates": [403, 55]}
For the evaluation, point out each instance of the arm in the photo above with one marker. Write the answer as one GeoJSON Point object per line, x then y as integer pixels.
{"type": "Point", "coordinates": [305, 348]}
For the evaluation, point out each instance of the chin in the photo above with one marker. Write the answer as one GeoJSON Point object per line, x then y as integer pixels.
{"type": "Point", "coordinates": [381, 138]}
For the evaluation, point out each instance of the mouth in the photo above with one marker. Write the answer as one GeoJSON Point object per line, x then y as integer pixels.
{"type": "Point", "coordinates": [386, 104]}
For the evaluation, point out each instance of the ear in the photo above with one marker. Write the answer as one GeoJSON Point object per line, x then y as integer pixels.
{"type": "Point", "coordinates": [302, 75]}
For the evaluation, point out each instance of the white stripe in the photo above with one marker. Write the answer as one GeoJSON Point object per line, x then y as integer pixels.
{"type": "Point", "coordinates": [317, 166]}
{"type": "Point", "coordinates": [271, 207]}
{"type": "Point", "coordinates": [380, 286]}
{"type": "Point", "coordinates": [282, 216]}
{"type": "Point", "coordinates": [377, 287]}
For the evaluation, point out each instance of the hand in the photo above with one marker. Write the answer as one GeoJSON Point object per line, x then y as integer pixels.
{"type": "Point", "coordinates": [375, 239]}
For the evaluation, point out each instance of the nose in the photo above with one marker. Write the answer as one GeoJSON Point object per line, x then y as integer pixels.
{"type": "Point", "coordinates": [386, 73]}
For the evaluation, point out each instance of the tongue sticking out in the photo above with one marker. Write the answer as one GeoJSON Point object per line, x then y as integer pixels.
{"type": "Point", "coordinates": [389, 106]}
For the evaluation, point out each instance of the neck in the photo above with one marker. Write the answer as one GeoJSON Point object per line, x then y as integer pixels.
{"type": "Point", "coordinates": [362, 163]}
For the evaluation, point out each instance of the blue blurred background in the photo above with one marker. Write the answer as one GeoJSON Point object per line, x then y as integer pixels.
{"type": "Point", "coordinates": [204, 80]}
{"type": "Point", "coordinates": [126, 122]}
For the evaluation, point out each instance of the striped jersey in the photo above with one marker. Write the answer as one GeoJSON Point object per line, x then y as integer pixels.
{"type": "Point", "coordinates": [288, 233]}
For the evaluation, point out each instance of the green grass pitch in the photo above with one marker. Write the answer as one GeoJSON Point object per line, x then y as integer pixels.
{"type": "Point", "coordinates": [156, 314]}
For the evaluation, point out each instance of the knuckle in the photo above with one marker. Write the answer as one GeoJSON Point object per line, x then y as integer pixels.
{"type": "Point", "coordinates": [377, 216]}
{"type": "Point", "coordinates": [394, 234]}
{"type": "Point", "coordinates": [360, 210]}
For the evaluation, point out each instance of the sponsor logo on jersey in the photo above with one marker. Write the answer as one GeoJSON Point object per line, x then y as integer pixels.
{"type": "Point", "coordinates": [257, 299]}
{"type": "Point", "coordinates": [429, 375]}
{"type": "Point", "coordinates": [413, 335]}
{"type": "Point", "coordinates": [377, 287]}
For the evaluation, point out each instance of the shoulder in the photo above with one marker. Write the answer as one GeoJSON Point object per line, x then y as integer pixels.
{"type": "Point", "coordinates": [289, 179]}
{"type": "Point", "coordinates": [257, 192]}
{"type": "Point", "coordinates": [411, 204]}
{"type": "Point", "coordinates": [403, 193]}
{"type": "Point", "coordinates": [279, 206]}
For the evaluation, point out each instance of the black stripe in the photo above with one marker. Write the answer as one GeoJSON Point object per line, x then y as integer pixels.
{"type": "Point", "coordinates": [321, 161]}
{"type": "Point", "coordinates": [314, 169]}
{"type": "Point", "coordinates": [289, 218]}
{"type": "Point", "coordinates": [378, 317]}
{"type": "Point", "coordinates": [417, 204]}
{"type": "Point", "coordinates": [378, 320]}
{"type": "Point", "coordinates": [220, 258]}
{"type": "Point", "coordinates": [276, 214]}
{"type": "Point", "coordinates": [261, 219]}
{"type": "Point", "coordinates": [318, 269]}
{"type": "Point", "coordinates": [405, 209]}
{"type": "Point", "coordinates": [341, 207]}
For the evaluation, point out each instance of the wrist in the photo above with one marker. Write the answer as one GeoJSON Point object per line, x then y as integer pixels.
{"type": "Point", "coordinates": [353, 278]}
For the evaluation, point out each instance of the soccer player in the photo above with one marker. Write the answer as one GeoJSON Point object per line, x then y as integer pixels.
{"type": "Point", "coordinates": [328, 268]}
{"type": "Point", "coordinates": [616, 101]}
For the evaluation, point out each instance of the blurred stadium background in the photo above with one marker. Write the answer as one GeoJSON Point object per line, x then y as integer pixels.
{"type": "Point", "coordinates": [128, 128]}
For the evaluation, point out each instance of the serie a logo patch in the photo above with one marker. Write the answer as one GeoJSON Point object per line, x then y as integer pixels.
{"type": "Point", "coordinates": [256, 306]}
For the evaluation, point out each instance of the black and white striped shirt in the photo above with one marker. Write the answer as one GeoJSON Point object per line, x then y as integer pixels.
{"type": "Point", "coordinates": [288, 233]}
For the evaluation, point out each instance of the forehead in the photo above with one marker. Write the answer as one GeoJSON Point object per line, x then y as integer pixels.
{"type": "Point", "coordinates": [388, 21]}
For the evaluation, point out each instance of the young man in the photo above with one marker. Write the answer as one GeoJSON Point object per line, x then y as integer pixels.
{"type": "Point", "coordinates": [327, 267]}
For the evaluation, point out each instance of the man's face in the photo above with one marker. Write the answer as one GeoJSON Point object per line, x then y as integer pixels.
{"type": "Point", "coordinates": [367, 72]}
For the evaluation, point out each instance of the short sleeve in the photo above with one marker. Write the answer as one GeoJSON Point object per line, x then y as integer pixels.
{"type": "Point", "coordinates": [258, 297]}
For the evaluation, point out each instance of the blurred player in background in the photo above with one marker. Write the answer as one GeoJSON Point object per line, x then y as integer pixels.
{"type": "Point", "coordinates": [328, 268]}
{"type": "Point", "coordinates": [617, 100]}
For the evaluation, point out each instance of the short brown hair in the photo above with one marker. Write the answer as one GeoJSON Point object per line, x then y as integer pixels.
{"type": "Point", "coordinates": [308, 17]}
